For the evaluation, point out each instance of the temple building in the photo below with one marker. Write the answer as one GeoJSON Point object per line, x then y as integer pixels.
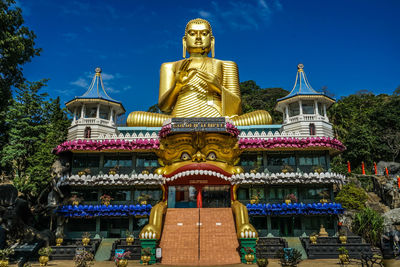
{"type": "Point", "coordinates": [279, 176]}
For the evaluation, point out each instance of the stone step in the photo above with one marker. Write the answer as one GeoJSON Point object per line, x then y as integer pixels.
{"type": "Point", "coordinates": [294, 242]}
{"type": "Point", "coordinates": [103, 253]}
{"type": "Point", "coordinates": [199, 236]}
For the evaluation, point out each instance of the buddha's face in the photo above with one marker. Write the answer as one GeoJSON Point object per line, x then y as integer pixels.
{"type": "Point", "coordinates": [198, 38]}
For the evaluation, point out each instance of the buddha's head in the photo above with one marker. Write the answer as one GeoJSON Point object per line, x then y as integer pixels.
{"type": "Point", "coordinates": [198, 38]}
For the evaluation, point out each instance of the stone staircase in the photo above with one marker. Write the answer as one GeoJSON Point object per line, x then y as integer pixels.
{"type": "Point", "coordinates": [294, 242]}
{"type": "Point", "coordinates": [204, 236]}
{"type": "Point", "coordinates": [103, 253]}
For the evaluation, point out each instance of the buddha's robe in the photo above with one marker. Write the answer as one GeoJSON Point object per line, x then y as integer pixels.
{"type": "Point", "coordinates": [196, 99]}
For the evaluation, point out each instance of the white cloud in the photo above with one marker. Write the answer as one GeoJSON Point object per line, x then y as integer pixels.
{"type": "Point", "coordinates": [81, 82]}
{"type": "Point", "coordinates": [106, 76]}
{"type": "Point", "coordinates": [241, 15]}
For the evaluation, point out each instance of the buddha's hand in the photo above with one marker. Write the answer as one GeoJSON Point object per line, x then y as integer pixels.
{"type": "Point", "coordinates": [184, 74]}
{"type": "Point", "coordinates": [214, 83]}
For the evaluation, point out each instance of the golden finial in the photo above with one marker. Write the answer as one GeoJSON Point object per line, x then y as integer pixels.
{"type": "Point", "coordinates": [300, 67]}
{"type": "Point", "coordinates": [98, 71]}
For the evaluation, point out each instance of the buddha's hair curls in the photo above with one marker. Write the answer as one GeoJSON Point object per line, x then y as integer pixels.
{"type": "Point", "coordinates": [198, 21]}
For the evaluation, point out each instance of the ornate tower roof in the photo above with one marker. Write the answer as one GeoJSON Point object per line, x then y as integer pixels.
{"type": "Point", "coordinates": [96, 88]}
{"type": "Point", "coordinates": [302, 90]}
{"type": "Point", "coordinates": [96, 93]}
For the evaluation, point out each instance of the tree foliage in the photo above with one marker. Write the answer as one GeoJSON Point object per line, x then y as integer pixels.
{"type": "Point", "coordinates": [352, 197]}
{"type": "Point", "coordinates": [36, 126]}
{"type": "Point", "coordinates": [367, 124]}
{"type": "Point", "coordinates": [368, 224]}
{"type": "Point", "coordinates": [17, 46]}
{"type": "Point", "coordinates": [255, 98]}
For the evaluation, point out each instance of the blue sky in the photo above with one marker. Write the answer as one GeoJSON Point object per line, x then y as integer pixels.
{"type": "Point", "coordinates": [346, 45]}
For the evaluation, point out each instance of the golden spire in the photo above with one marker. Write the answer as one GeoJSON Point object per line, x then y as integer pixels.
{"type": "Point", "coordinates": [300, 67]}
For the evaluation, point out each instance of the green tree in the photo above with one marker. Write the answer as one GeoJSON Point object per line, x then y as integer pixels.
{"type": "Point", "coordinates": [368, 224]}
{"type": "Point", "coordinates": [255, 98]}
{"type": "Point", "coordinates": [36, 127]}
{"type": "Point", "coordinates": [17, 46]}
{"type": "Point", "coordinates": [351, 197]}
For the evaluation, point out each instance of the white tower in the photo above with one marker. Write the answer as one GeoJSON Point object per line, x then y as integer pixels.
{"type": "Point", "coordinates": [304, 109]}
{"type": "Point", "coordinates": [94, 113]}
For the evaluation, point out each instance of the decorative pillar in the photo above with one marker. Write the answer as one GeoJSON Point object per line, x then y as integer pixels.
{"type": "Point", "coordinates": [111, 116]}
{"type": "Point", "coordinates": [316, 107]}
{"type": "Point", "coordinates": [247, 243]}
{"type": "Point", "coordinates": [83, 111]}
{"type": "Point", "coordinates": [98, 111]}
{"type": "Point", "coordinates": [152, 244]}
{"type": "Point", "coordinates": [301, 107]}
{"type": "Point", "coordinates": [287, 112]}
{"type": "Point", "coordinates": [326, 117]}
{"type": "Point", "coordinates": [74, 119]}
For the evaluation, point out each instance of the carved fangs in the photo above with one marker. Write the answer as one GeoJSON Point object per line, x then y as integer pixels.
{"type": "Point", "coordinates": [197, 172]}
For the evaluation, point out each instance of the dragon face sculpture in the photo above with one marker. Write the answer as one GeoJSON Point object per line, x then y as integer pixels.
{"type": "Point", "coordinates": [198, 154]}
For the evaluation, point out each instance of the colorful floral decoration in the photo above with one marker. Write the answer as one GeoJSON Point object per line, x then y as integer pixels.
{"type": "Point", "coordinates": [165, 130]}
{"type": "Point", "coordinates": [230, 128]}
{"type": "Point", "coordinates": [291, 142]}
{"type": "Point", "coordinates": [112, 144]}
{"type": "Point", "coordinates": [295, 209]}
{"type": "Point", "coordinates": [103, 210]}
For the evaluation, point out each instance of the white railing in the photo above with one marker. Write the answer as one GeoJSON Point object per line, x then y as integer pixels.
{"type": "Point", "coordinates": [128, 136]}
{"type": "Point", "coordinates": [306, 117]}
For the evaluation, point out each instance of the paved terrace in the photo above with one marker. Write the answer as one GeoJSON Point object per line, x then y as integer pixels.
{"type": "Point", "coordinates": [272, 263]}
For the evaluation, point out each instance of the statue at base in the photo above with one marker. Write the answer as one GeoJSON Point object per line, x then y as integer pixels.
{"type": "Point", "coordinates": [199, 86]}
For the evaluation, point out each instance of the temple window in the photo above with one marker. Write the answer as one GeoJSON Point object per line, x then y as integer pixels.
{"type": "Point", "coordinates": [104, 113]}
{"type": "Point", "coordinates": [87, 132]}
{"type": "Point", "coordinates": [294, 109]}
{"type": "Point", "coordinates": [87, 195]}
{"type": "Point", "coordinates": [251, 161]}
{"type": "Point", "coordinates": [312, 128]}
{"type": "Point", "coordinates": [147, 162]}
{"type": "Point", "coordinates": [79, 225]}
{"type": "Point", "coordinates": [152, 195]}
{"type": "Point", "coordinates": [81, 162]}
{"type": "Point", "coordinates": [91, 112]}
{"type": "Point", "coordinates": [308, 107]}
{"type": "Point", "coordinates": [119, 163]}
{"type": "Point", "coordinates": [118, 195]}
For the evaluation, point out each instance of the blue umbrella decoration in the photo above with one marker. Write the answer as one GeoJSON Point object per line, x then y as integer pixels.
{"type": "Point", "coordinates": [295, 209]}
{"type": "Point", "coordinates": [103, 210]}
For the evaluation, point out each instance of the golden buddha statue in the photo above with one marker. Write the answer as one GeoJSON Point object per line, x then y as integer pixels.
{"type": "Point", "coordinates": [199, 86]}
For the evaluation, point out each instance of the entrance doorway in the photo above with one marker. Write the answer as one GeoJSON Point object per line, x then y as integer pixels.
{"type": "Point", "coordinates": [216, 196]}
{"type": "Point", "coordinates": [286, 226]}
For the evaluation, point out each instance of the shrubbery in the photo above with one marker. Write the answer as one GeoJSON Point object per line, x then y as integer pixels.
{"type": "Point", "coordinates": [368, 224]}
{"type": "Point", "coordinates": [352, 197]}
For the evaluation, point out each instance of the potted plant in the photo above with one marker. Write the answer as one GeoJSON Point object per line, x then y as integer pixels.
{"type": "Point", "coordinates": [44, 253]}
{"type": "Point", "coordinates": [84, 172]}
{"type": "Point", "coordinates": [59, 239]}
{"type": "Point", "coordinates": [85, 238]}
{"type": "Point", "coordinates": [129, 238]}
{"type": "Point", "coordinates": [143, 198]}
{"type": "Point", "coordinates": [313, 238]}
{"type": "Point", "coordinates": [249, 257]}
{"type": "Point", "coordinates": [289, 257]}
{"type": "Point", "coordinates": [343, 255]}
{"type": "Point", "coordinates": [342, 236]}
{"type": "Point", "coordinates": [318, 169]}
{"type": "Point", "coordinates": [74, 200]}
{"type": "Point", "coordinates": [325, 196]}
{"type": "Point", "coordinates": [146, 256]}
{"type": "Point", "coordinates": [120, 259]}
{"type": "Point", "coordinates": [287, 168]}
{"type": "Point", "coordinates": [254, 199]}
{"type": "Point", "coordinates": [113, 171]}
{"type": "Point", "coordinates": [106, 199]}
{"type": "Point", "coordinates": [290, 198]}
{"type": "Point", "coordinates": [262, 262]}
{"type": "Point", "coordinates": [83, 258]}
{"type": "Point", "coordinates": [4, 256]}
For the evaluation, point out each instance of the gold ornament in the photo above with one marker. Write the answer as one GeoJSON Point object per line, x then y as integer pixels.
{"type": "Point", "coordinates": [199, 86]}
